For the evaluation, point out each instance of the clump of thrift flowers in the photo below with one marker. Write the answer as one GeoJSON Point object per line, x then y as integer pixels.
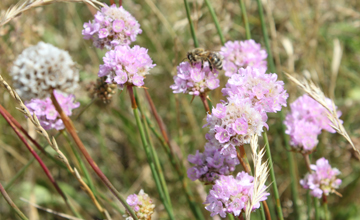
{"type": "Point", "coordinates": [142, 206]}
{"type": "Point", "coordinates": [261, 88]}
{"type": "Point", "coordinates": [41, 68]}
{"type": "Point", "coordinates": [231, 195]}
{"type": "Point", "coordinates": [126, 66]}
{"type": "Point", "coordinates": [305, 122]}
{"type": "Point", "coordinates": [211, 164]}
{"type": "Point", "coordinates": [194, 80]}
{"type": "Point", "coordinates": [242, 54]}
{"type": "Point", "coordinates": [112, 26]}
{"type": "Point", "coordinates": [323, 180]}
{"type": "Point", "coordinates": [46, 113]}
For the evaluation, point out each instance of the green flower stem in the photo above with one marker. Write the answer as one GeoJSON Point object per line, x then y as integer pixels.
{"type": "Point", "coordinates": [308, 205]}
{"type": "Point", "coordinates": [316, 207]}
{"type": "Point", "coordinates": [213, 15]}
{"type": "Point", "coordinates": [230, 217]}
{"type": "Point", "coordinates": [273, 179]}
{"type": "Point", "coordinates": [12, 204]}
{"type": "Point", "coordinates": [245, 19]}
{"type": "Point", "coordinates": [153, 152]}
{"type": "Point", "coordinates": [148, 152]}
{"type": "Point", "coordinates": [262, 212]}
{"type": "Point", "coordinates": [290, 156]}
{"type": "Point", "coordinates": [192, 29]}
{"type": "Point", "coordinates": [325, 205]}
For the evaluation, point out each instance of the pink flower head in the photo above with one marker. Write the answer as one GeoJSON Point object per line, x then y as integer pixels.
{"type": "Point", "coordinates": [233, 124]}
{"type": "Point", "coordinates": [46, 113]}
{"type": "Point", "coordinates": [211, 164]}
{"type": "Point", "coordinates": [239, 54]}
{"type": "Point", "coordinates": [126, 66]}
{"type": "Point", "coordinates": [305, 122]}
{"type": "Point", "coordinates": [112, 26]}
{"type": "Point", "coordinates": [322, 180]}
{"type": "Point", "coordinates": [194, 80]}
{"type": "Point", "coordinates": [231, 195]}
{"type": "Point", "coordinates": [263, 89]}
{"type": "Point", "coordinates": [142, 205]}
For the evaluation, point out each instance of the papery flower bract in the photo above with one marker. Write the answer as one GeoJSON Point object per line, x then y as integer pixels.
{"type": "Point", "coordinates": [323, 180]}
{"type": "Point", "coordinates": [42, 68]}
{"type": "Point", "coordinates": [126, 66]}
{"type": "Point", "coordinates": [194, 80]}
{"type": "Point", "coordinates": [46, 113]}
{"type": "Point", "coordinates": [141, 204]}
{"type": "Point", "coordinates": [211, 164]}
{"type": "Point", "coordinates": [233, 124]}
{"type": "Point", "coordinates": [230, 195]}
{"type": "Point", "coordinates": [263, 89]}
{"type": "Point", "coordinates": [305, 122]}
{"type": "Point", "coordinates": [239, 54]}
{"type": "Point", "coordinates": [112, 26]}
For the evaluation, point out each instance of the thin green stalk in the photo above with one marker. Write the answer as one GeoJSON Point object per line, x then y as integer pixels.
{"type": "Point", "coordinates": [273, 179]}
{"type": "Point", "coordinates": [192, 29]}
{"type": "Point", "coordinates": [230, 217]}
{"type": "Point", "coordinates": [153, 152]}
{"type": "Point", "coordinates": [19, 173]}
{"type": "Point", "coordinates": [12, 204]}
{"type": "Point", "coordinates": [148, 153]}
{"type": "Point", "coordinates": [325, 205]}
{"type": "Point", "coordinates": [213, 15]}
{"type": "Point", "coordinates": [290, 157]}
{"type": "Point", "coordinates": [116, 207]}
{"type": "Point", "coordinates": [316, 207]}
{"type": "Point", "coordinates": [262, 212]}
{"type": "Point", "coordinates": [82, 165]}
{"type": "Point", "coordinates": [308, 205]}
{"type": "Point", "coordinates": [245, 19]}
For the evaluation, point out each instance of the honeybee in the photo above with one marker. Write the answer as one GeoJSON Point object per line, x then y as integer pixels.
{"type": "Point", "coordinates": [201, 55]}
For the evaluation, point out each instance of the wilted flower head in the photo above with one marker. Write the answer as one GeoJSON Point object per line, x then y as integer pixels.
{"type": "Point", "coordinates": [194, 80]}
{"type": "Point", "coordinates": [231, 195]}
{"type": "Point", "coordinates": [242, 54]}
{"type": "Point", "coordinates": [211, 164]}
{"type": "Point", "coordinates": [126, 66]}
{"type": "Point", "coordinates": [46, 113]}
{"type": "Point", "coordinates": [111, 27]}
{"type": "Point", "coordinates": [305, 122]}
{"type": "Point", "coordinates": [322, 180]}
{"type": "Point", "coordinates": [142, 206]}
{"type": "Point", "coordinates": [261, 88]}
{"type": "Point", "coordinates": [232, 124]}
{"type": "Point", "coordinates": [41, 68]}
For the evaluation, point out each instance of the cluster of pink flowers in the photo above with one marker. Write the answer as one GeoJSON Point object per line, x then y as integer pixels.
{"type": "Point", "coordinates": [142, 205]}
{"type": "Point", "coordinates": [126, 66]}
{"type": "Point", "coordinates": [323, 180]}
{"type": "Point", "coordinates": [111, 27]}
{"type": "Point", "coordinates": [210, 165]}
{"type": "Point", "coordinates": [46, 113]}
{"type": "Point", "coordinates": [261, 88]}
{"type": "Point", "coordinates": [194, 80]}
{"type": "Point", "coordinates": [231, 195]}
{"type": "Point", "coordinates": [239, 54]}
{"type": "Point", "coordinates": [305, 122]}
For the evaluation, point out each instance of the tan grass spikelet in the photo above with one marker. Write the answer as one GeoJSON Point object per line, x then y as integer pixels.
{"type": "Point", "coordinates": [22, 6]}
{"type": "Point", "coordinates": [261, 173]}
{"type": "Point", "coordinates": [315, 92]}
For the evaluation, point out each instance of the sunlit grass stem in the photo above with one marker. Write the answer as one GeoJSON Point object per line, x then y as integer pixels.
{"type": "Point", "coordinates": [214, 17]}
{"type": "Point", "coordinates": [245, 19]}
{"type": "Point", "coordinates": [12, 204]}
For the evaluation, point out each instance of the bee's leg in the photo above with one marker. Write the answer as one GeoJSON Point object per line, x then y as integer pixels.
{"type": "Point", "coordinates": [210, 65]}
{"type": "Point", "coordinates": [202, 63]}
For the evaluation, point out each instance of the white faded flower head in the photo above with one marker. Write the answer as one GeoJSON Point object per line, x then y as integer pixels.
{"type": "Point", "coordinates": [41, 68]}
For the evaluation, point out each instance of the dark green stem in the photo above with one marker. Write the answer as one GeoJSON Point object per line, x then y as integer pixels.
{"type": "Point", "coordinates": [213, 15]}
{"type": "Point", "coordinates": [273, 179]}
{"type": "Point", "coordinates": [192, 29]}
{"type": "Point", "coordinates": [316, 207]}
{"type": "Point", "coordinates": [308, 204]}
{"type": "Point", "coordinates": [245, 19]}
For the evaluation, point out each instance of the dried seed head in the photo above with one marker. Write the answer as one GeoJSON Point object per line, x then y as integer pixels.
{"type": "Point", "coordinates": [102, 90]}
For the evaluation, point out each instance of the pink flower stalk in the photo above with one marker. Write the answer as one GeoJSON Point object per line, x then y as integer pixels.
{"type": "Point", "coordinates": [46, 113]}
{"type": "Point", "coordinates": [141, 204]}
{"type": "Point", "coordinates": [305, 122]}
{"type": "Point", "coordinates": [194, 80]}
{"type": "Point", "coordinates": [112, 26]}
{"type": "Point", "coordinates": [261, 88]}
{"type": "Point", "coordinates": [322, 180]}
{"type": "Point", "coordinates": [233, 124]}
{"type": "Point", "coordinates": [211, 164]}
{"type": "Point", "coordinates": [231, 195]}
{"type": "Point", "coordinates": [242, 54]}
{"type": "Point", "coordinates": [126, 66]}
